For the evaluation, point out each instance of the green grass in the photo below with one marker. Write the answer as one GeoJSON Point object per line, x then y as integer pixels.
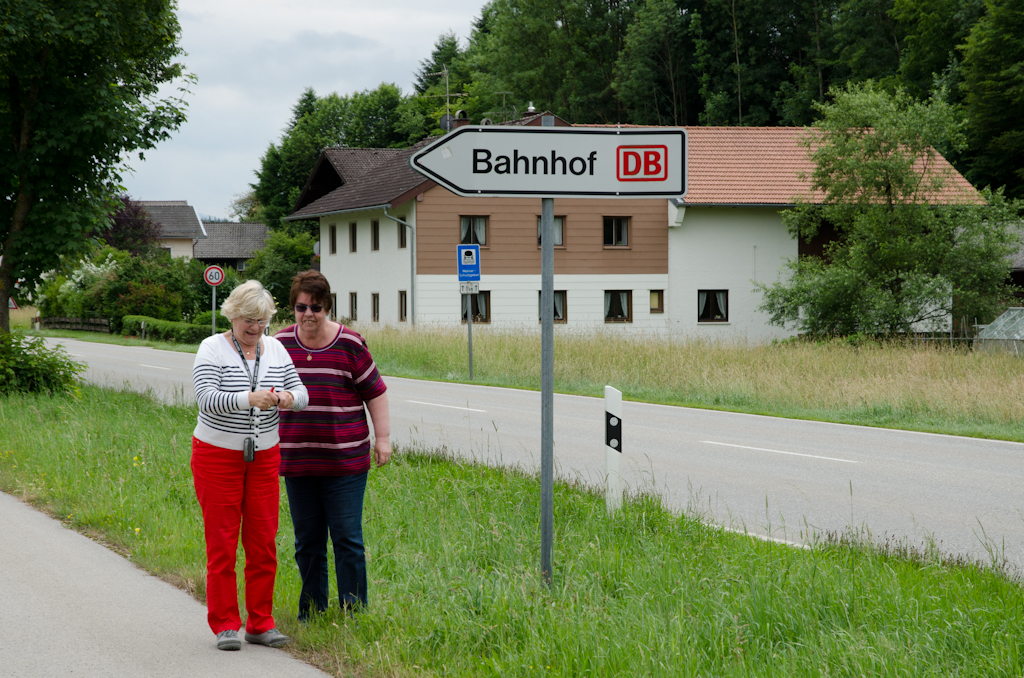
{"type": "Point", "coordinates": [453, 558]}
{"type": "Point", "coordinates": [901, 385]}
{"type": "Point", "coordinates": [117, 339]}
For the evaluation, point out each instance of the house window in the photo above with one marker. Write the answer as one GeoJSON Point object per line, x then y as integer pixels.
{"type": "Point", "coordinates": [616, 231]}
{"type": "Point", "coordinates": [375, 307]}
{"type": "Point", "coordinates": [352, 306]}
{"type": "Point", "coordinates": [374, 235]}
{"type": "Point", "coordinates": [560, 308]}
{"type": "Point", "coordinates": [712, 306]}
{"type": "Point", "coordinates": [481, 306]}
{"type": "Point", "coordinates": [559, 221]}
{"type": "Point", "coordinates": [334, 306]}
{"type": "Point", "coordinates": [618, 306]}
{"type": "Point", "coordinates": [473, 231]}
{"type": "Point", "coordinates": [657, 301]}
{"type": "Point", "coordinates": [334, 238]}
{"type": "Point", "coordinates": [352, 237]}
{"type": "Point", "coordinates": [241, 265]}
{"type": "Point", "coordinates": [403, 314]}
{"type": "Point", "coordinates": [402, 236]}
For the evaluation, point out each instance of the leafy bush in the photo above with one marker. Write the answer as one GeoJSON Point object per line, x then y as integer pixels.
{"type": "Point", "coordinates": [28, 365]}
{"type": "Point", "coordinates": [204, 318]}
{"type": "Point", "coordinates": [165, 330]}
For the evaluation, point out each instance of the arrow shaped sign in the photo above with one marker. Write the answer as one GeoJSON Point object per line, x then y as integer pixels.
{"type": "Point", "coordinates": [551, 162]}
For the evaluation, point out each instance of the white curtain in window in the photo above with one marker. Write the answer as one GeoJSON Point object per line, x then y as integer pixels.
{"type": "Point", "coordinates": [559, 305]}
{"type": "Point", "coordinates": [607, 304]}
{"type": "Point", "coordinates": [467, 304]}
{"type": "Point", "coordinates": [624, 304]}
{"type": "Point", "coordinates": [480, 230]}
{"type": "Point", "coordinates": [481, 302]}
{"type": "Point", "coordinates": [702, 301]}
{"type": "Point", "coordinates": [465, 230]}
{"type": "Point", "coordinates": [558, 231]}
{"type": "Point", "coordinates": [720, 298]}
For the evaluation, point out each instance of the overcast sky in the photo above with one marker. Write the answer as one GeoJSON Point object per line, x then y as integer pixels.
{"type": "Point", "coordinates": [253, 59]}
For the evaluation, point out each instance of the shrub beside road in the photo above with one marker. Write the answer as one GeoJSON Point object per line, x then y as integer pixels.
{"type": "Point", "coordinates": [453, 557]}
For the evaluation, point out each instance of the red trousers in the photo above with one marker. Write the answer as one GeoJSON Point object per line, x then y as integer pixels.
{"type": "Point", "coordinates": [234, 494]}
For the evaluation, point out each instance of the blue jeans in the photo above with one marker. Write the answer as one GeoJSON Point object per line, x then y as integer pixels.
{"type": "Point", "coordinates": [319, 504]}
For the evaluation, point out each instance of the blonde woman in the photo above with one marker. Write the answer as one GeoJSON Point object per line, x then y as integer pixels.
{"type": "Point", "coordinates": [241, 380]}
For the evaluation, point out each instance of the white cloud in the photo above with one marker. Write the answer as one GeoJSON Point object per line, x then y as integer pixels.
{"type": "Point", "coordinates": [253, 59]}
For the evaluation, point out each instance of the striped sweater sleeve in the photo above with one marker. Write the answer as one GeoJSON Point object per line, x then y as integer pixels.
{"type": "Point", "coordinates": [218, 390]}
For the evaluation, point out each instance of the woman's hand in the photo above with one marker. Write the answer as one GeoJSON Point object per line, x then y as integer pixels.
{"type": "Point", "coordinates": [286, 400]}
{"type": "Point", "coordinates": [263, 400]}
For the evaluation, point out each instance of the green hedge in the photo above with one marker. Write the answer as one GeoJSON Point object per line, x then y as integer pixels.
{"type": "Point", "coordinates": [204, 318]}
{"type": "Point", "coordinates": [165, 330]}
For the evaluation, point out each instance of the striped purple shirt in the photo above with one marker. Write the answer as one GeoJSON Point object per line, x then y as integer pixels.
{"type": "Point", "coordinates": [330, 437]}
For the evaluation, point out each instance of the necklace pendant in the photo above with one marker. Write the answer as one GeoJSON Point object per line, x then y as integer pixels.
{"type": "Point", "coordinates": [309, 356]}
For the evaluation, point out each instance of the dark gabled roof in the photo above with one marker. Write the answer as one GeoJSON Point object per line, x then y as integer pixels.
{"type": "Point", "coordinates": [176, 218]}
{"type": "Point", "coordinates": [229, 240]}
{"type": "Point", "coordinates": [390, 182]}
{"type": "Point", "coordinates": [338, 166]}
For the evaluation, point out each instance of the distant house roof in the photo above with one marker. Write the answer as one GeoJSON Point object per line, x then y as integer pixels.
{"type": "Point", "coordinates": [229, 240]}
{"type": "Point", "coordinates": [338, 166]}
{"type": "Point", "coordinates": [176, 218]}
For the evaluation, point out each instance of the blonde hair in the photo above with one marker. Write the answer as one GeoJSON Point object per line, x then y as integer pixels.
{"type": "Point", "coordinates": [249, 300]}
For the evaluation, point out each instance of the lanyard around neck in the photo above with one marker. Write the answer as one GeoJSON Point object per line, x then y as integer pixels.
{"type": "Point", "coordinates": [255, 374]}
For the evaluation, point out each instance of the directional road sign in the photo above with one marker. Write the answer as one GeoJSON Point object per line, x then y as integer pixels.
{"type": "Point", "coordinates": [469, 263]}
{"type": "Point", "coordinates": [551, 162]}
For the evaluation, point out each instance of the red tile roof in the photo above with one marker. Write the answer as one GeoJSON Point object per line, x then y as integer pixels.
{"type": "Point", "coordinates": [727, 166]}
{"type": "Point", "coordinates": [764, 166]}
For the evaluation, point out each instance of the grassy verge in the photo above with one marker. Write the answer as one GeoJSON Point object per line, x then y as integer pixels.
{"type": "Point", "coordinates": [453, 559]}
{"type": "Point", "coordinates": [917, 387]}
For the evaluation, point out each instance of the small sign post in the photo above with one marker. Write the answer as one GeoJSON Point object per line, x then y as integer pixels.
{"type": "Point", "coordinates": [469, 284]}
{"type": "Point", "coordinates": [613, 448]}
{"type": "Point", "coordinates": [214, 276]}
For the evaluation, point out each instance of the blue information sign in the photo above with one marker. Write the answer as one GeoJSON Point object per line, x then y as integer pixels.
{"type": "Point", "coordinates": [469, 263]}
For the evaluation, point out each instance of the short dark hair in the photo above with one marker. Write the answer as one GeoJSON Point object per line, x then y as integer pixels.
{"type": "Point", "coordinates": [315, 285]}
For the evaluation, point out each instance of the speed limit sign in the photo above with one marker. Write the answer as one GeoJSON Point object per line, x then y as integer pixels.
{"type": "Point", "coordinates": [213, 275]}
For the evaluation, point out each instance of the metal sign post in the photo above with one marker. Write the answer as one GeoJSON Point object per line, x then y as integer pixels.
{"type": "Point", "coordinates": [555, 162]}
{"type": "Point", "coordinates": [469, 285]}
{"type": "Point", "coordinates": [214, 276]}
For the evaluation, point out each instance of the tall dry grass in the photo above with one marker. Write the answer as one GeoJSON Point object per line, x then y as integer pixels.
{"type": "Point", "coordinates": [901, 384]}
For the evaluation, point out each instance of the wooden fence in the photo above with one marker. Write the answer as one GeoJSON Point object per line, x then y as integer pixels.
{"type": "Point", "coordinates": [81, 324]}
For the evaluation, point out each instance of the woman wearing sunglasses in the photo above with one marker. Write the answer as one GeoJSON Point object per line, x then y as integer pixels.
{"type": "Point", "coordinates": [326, 449]}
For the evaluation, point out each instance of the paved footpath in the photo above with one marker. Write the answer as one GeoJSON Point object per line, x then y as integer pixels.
{"type": "Point", "coordinates": [71, 607]}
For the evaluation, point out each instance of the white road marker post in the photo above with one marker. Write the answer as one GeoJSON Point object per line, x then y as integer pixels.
{"type": "Point", "coordinates": [612, 448]}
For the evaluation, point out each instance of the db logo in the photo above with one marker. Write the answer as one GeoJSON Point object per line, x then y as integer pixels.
{"type": "Point", "coordinates": [641, 163]}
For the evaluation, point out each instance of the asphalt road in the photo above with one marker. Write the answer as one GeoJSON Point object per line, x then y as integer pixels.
{"type": "Point", "coordinates": [781, 478]}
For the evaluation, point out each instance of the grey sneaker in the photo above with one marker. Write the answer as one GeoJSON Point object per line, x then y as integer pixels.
{"type": "Point", "coordinates": [271, 638]}
{"type": "Point", "coordinates": [228, 640]}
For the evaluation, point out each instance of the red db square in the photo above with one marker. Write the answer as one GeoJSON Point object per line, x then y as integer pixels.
{"type": "Point", "coordinates": [641, 163]}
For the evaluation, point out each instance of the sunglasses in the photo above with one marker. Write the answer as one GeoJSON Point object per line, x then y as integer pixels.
{"type": "Point", "coordinates": [301, 308]}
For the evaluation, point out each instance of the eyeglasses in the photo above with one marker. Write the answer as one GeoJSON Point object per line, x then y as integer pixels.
{"type": "Point", "coordinates": [252, 321]}
{"type": "Point", "coordinates": [315, 308]}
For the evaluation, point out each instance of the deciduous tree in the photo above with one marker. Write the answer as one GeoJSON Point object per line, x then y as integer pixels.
{"type": "Point", "coordinates": [79, 86]}
{"type": "Point", "coordinates": [908, 252]}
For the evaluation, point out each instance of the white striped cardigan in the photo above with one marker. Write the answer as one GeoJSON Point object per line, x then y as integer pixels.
{"type": "Point", "coordinates": [222, 392]}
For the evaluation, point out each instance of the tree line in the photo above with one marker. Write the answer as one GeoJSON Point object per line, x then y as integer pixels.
{"type": "Point", "coordinates": [684, 62]}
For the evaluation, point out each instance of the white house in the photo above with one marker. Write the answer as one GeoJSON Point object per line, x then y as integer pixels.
{"type": "Point", "coordinates": [681, 267]}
